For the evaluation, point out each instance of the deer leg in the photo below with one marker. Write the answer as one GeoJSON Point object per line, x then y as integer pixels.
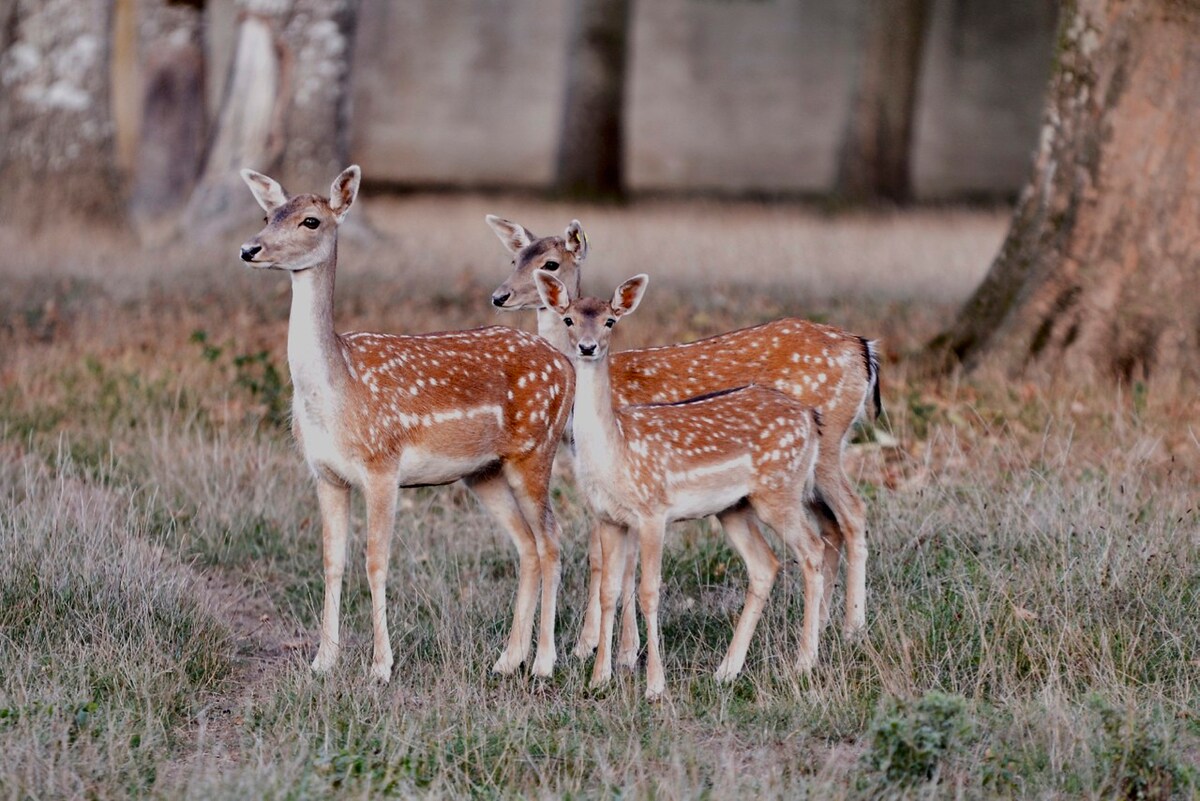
{"type": "Point", "coordinates": [494, 493]}
{"type": "Point", "coordinates": [762, 567]}
{"type": "Point", "coordinates": [801, 534]}
{"type": "Point", "coordinates": [613, 542]}
{"type": "Point", "coordinates": [650, 536]}
{"type": "Point", "coordinates": [627, 653]}
{"type": "Point", "coordinates": [589, 633]}
{"type": "Point", "coordinates": [334, 501]}
{"type": "Point", "coordinates": [851, 516]}
{"type": "Point", "coordinates": [381, 491]}
{"type": "Point", "coordinates": [531, 488]}
{"type": "Point", "coordinates": [831, 536]}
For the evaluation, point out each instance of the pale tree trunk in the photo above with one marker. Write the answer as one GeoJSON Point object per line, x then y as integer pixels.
{"type": "Point", "coordinates": [1099, 278]}
{"type": "Point", "coordinates": [284, 111]}
{"type": "Point", "coordinates": [315, 146]}
{"type": "Point", "coordinates": [57, 157]}
{"type": "Point", "coordinates": [173, 119]}
{"type": "Point", "coordinates": [591, 147]}
{"type": "Point", "coordinates": [875, 159]}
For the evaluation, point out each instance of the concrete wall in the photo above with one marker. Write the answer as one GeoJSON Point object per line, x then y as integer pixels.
{"type": "Point", "coordinates": [739, 95]}
{"type": "Point", "coordinates": [732, 95]}
{"type": "Point", "coordinates": [727, 95]}
{"type": "Point", "coordinates": [982, 89]}
{"type": "Point", "coordinates": [459, 91]}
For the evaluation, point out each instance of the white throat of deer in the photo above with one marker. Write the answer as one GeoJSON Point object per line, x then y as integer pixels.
{"type": "Point", "coordinates": [314, 352]}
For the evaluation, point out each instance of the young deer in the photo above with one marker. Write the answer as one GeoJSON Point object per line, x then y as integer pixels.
{"type": "Point", "coordinates": [739, 451]}
{"type": "Point", "coordinates": [379, 412]}
{"type": "Point", "coordinates": [818, 365]}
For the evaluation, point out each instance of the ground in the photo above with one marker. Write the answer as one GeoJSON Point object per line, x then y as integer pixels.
{"type": "Point", "coordinates": [1032, 580]}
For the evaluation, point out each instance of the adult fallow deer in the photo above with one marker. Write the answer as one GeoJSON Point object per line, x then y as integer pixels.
{"type": "Point", "coordinates": [379, 412]}
{"type": "Point", "coordinates": [819, 365]}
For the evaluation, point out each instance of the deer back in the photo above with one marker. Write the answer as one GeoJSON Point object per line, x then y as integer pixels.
{"type": "Point", "coordinates": [466, 396]}
{"type": "Point", "coordinates": [820, 366]}
{"type": "Point", "coordinates": [703, 455]}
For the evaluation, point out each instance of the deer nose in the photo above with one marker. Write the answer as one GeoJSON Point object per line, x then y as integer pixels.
{"type": "Point", "coordinates": [498, 298]}
{"type": "Point", "coordinates": [586, 350]}
{"type": "Point", "coordinates": [248, 252]}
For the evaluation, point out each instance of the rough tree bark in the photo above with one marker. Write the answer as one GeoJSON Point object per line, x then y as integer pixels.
{"type": "Point", "coordinates": [874, 162]}
{"type": "Point", "coordinates": [57, 158]}
{"type": "Point", "coordinates": [1099, 277]}
{"type": "Point", "coordinates": [591, 148]}
{"type": "Point", "coordinates": [171, 134]}
{"type": "Point", "coordinates": [285, 109]}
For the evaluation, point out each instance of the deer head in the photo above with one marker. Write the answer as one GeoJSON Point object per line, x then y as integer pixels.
{"type": "Point", "coordinates": [301, 231]}
{"type": "Point", "coordinates": [589, 321]}
{"type": "Point", "coordinates": [560, 255]}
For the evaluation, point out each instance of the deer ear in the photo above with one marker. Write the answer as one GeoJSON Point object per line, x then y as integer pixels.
{"type": "Point", "coordinates": [629, 295]}
{"type": "Point", "coordinates": [552, 291]}
{"type": "Point", "coordinates": [344, 190]}
{"type": "Point", "coordinates": [576, 240]}
{"type": "Point", "coordinates": [513, 236]}
{"type": "Point", "coordinates": [267, 191]}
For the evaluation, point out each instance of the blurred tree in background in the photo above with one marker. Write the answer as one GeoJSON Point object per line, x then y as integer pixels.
{"type": "Point", "coordinates": [874, 162]}
{"type": "Point", "coordinates": [1099, 278]}
{"type": "Point", "coordinates": [174, 120]}
{"type": "Point", "coordinates": [591, 147]}
{"type": "Point", "coordinates": [285, 108]}
{"type": "Point", "coordinates": [57, 160]}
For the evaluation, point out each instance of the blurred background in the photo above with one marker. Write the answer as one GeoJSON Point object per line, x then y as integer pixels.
{"type": "Point", "coordinates": [769, 124]}
{"type": "Point", "coordinates": [724, 96]}
{"type": "Point", "coordinates": [150, 105]}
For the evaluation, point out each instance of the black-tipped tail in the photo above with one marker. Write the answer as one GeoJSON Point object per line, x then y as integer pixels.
{"type": "Point", "coordinates": [871, 357]}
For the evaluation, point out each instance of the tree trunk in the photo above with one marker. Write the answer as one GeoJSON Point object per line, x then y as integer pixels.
{"type": "Point", "coordinates": [1099, 277]}
{"type": "Point", "coordinates": [874, 163]}
{"type": "Point", "coordinates": [58, 156]}
{"type": "Point", "coordinates": [173, 119]}
{"type": "Point", "coordinates": [591, 147]}
{"type": "Point", "coordinates": [315, 146]}
{"type": "Point", "coordinates": [285, 109]}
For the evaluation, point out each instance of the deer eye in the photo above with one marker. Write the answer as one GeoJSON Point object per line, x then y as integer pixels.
{"type": "Point", "coordinates": [609, 323]}
{"type": "Point", "coordinates": [310, 222]}
{"type": "Point", "coordinates": [568, 322]}
{"type": "Point", "coordinates": [550, 265]}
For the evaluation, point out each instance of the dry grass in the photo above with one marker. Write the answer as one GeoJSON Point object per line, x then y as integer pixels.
{"type": "Point", "coordinates": [1032, 581]}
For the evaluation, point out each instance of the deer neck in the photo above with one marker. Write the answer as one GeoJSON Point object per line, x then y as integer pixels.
{"type": "Point", "coordinates": [597, 438]}
{"type": "Point", "coordinates": [314, 352]}
{"type": "Point", "coordinates": [551, 328]}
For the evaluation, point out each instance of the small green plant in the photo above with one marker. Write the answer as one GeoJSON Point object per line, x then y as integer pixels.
{"type": "Point", "coordinates": [921, 414]}
{"type": "Point", "coordinates": [1137, 764]}
{"type": "Point", "coordinates": [254, 372]}
{"type": "Point", "coordinates": [913, 739]}
{"type": "Point", "coordinates": [257, 373]}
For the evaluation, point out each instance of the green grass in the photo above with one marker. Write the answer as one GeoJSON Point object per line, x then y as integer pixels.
{"type": "Point", "coordinates": [1033, 596]}
{"type": "Point", "coordinates": [105, 650]}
